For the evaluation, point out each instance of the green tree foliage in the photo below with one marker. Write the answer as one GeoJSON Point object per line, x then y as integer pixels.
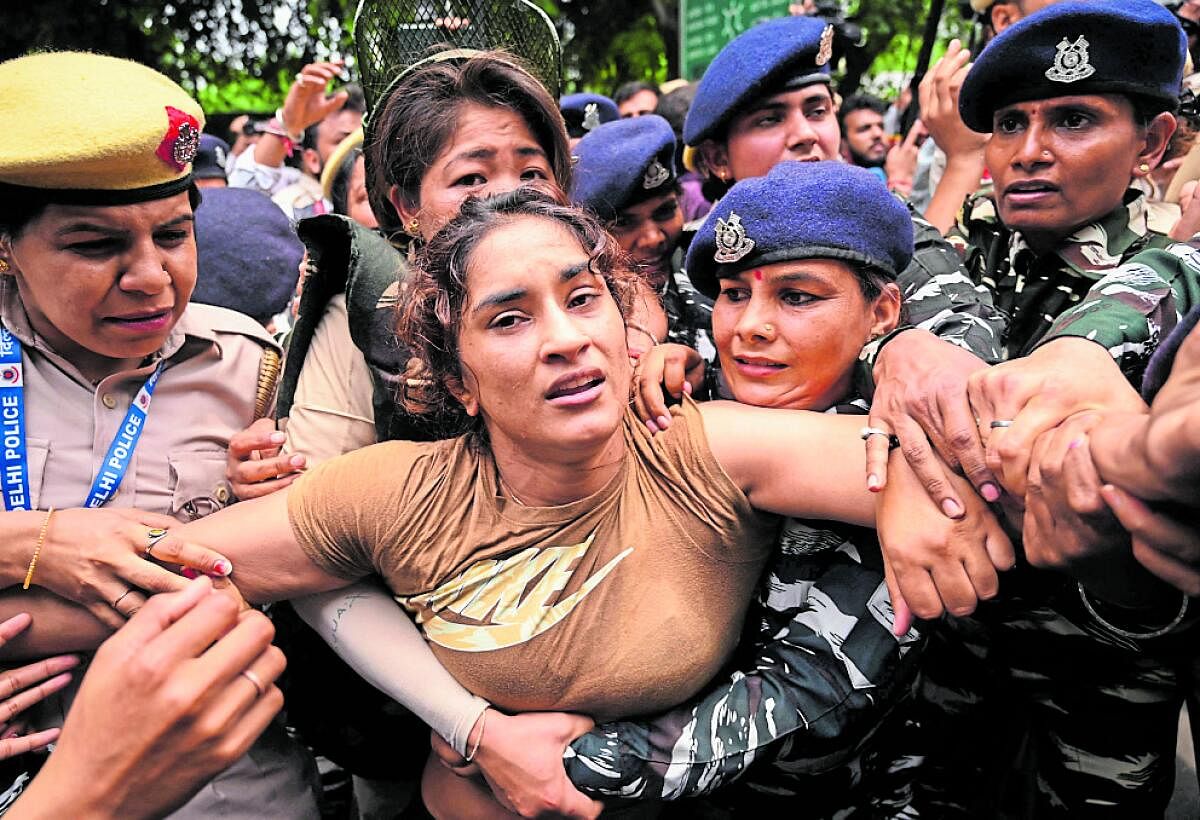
{"type": "Point", "coordinates": [242, 54]}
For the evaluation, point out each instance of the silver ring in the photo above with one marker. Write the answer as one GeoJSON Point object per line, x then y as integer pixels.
{"type": "Point", "coordinates": [153, 536]}
{"type": "Point", "coordinates": [1001, 423]}
{"type": "Point", "coordinates": [255, 681]}
{"type": "Point", "coordinates": [867, 432]}
{"type": "Point", "coordinates": [117, 602]}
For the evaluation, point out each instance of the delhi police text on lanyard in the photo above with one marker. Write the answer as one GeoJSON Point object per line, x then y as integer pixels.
{"type": "Point", "coordinates": [14, 467]}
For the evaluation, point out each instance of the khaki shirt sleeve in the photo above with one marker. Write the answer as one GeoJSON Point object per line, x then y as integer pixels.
{"type": "Point", "coordinates": [333, 412]}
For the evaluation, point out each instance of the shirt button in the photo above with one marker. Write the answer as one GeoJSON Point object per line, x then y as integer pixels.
{"type": "Point", "coordinates": [222, 493]}
{"type": "Point", "coordinates": [110, 401]}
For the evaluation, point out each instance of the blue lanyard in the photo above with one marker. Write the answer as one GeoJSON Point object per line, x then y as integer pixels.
{"type": "Point", "coordinates": [14, 467]}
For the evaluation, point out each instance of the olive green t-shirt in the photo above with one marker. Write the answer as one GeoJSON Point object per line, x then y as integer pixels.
{"type": "Point", "coordinates": [620, 603]}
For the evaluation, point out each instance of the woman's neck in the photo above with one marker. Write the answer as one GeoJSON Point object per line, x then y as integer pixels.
{"type": "Point", "coordinates": [536, 481]}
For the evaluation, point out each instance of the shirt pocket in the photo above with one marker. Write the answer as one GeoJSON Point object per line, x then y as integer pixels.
{"type": "Point", "coordinates": [37, 452]}
{"type": "Point", "coordinates": [197, 483]}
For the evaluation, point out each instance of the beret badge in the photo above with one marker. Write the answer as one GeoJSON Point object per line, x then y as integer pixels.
{"type": "Point", "coordinates": [825, 50]}
{"type": "Point", "coordinates": [182, 139]}
{"type": "Point", "coordinates": [656, 174]}
{"type": "Point", "coordinates": [732, 242]}
{"type": "Point", "coordinates": [591, 116]}
{"type": "Point", "coordinates": [1071, 62]}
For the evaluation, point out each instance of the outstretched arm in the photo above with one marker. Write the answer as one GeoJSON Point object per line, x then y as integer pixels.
{"type": "Point", "coordinates": [268, 562]}
{"type": "Point", "coordinates": [792, 462]}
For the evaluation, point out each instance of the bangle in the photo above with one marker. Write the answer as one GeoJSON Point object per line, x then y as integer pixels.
{"type": "Point", "coordinates": [470, 755]}
{"type": "Point", "coordinates": [37, 550]}
{"type": "Point", "coordinates": [294, 137]}
{"type": "Point", "coordinates": [1124, 633]}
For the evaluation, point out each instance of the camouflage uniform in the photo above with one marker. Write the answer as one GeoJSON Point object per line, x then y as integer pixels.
{"type": "Point", "coordinates": [820, 675]}
{"type": "Point", "coordinates": [814, 701]}
{"type": "Point", "coordinates": [689, 312]}
{"type": "Point", "coordinates": [1030, 708]}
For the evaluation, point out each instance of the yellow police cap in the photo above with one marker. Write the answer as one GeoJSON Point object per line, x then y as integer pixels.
{"type": "Point", "coordinates": [329, 173]}
{"type": "Point", "coordinates": [89, 129]}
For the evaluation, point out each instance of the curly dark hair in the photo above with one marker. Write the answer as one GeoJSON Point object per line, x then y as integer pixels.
{"type": "Point", "coordinates": [430, 317]}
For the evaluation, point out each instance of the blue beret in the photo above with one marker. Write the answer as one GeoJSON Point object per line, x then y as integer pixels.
{"type": "Point", "coordinates": [1133, 47]}
{"type": "Point", "coordinates": [210, 158]}
{"type": "Point", "coordinates": [802, 210]}
{"type": "Point", "coordinates": [247, 253]}
{"type": "Point", "coordinates": [583, 112]}
{"type": "Point", "coordinates": [623, 162]}
{"type": "Point", "coordinates": [789, 52]}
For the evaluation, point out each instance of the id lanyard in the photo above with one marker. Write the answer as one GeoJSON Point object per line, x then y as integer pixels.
{"type": "Point", "coordinates": [14, 466]}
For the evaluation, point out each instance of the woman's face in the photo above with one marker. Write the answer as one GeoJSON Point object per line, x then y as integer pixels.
{"type": "Point", "coordinates": [648, 232]}
{"type": "Point", "coordinates": [789, 333]}
{"type": "Point", "coordinates": [492, 151]}
{"type": "Point", "coordinates": [798, 125]}
{"type": "Point", "coordinates": [1063, 162]}
{"type": "Point", "coordinates": [358, 206]}
{"type": "Point", "coordinates": [105, 285]}
{"type": "Point", "coordinates": [542, 343]}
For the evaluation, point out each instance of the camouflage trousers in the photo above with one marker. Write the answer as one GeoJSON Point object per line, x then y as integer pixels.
{"type": "Point", "coordinates": [1029, 710]}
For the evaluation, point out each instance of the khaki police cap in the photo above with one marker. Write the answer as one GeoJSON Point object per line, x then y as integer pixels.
{"type": "Point", "coordinates": [89, 129]}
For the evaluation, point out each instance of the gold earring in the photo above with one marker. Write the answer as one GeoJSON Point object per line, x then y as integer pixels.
{"type": "Point", "coordinates": [414, 227]}
{"type": "Point", "coordinates": [1144, 167]}
{"type": "Point", "coordinates": [3, 266]}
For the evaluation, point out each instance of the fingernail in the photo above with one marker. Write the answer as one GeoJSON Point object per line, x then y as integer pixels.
{"type": "Point", "coordinates": [990, 492]}
{"type": "Point", "coordinates": [952, 508]}
{"type": "Point", "coordinates": [278, 437]}
{"type": "Point", "coordinates": [223, 568]}
{"type": "Point", "coordinates": [873, 483]}
{"type": "Point", "coordinates": [189, 573]}
{"type": "Point", "coordinates": [652, 426]}
{"type": "Point", "coordinates": [296, 461]}
{"type": "Point", "coordinates": [664, 422]}
{"type": "Point", "coordinates": [687, 388]}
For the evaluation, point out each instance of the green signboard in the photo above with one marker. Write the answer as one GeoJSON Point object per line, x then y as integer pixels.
{"type": "Point", "coordinates": [705, 26]}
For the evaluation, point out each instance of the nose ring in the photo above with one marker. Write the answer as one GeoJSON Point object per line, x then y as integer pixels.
{"type": "Point", "coordinates": [769, 328]}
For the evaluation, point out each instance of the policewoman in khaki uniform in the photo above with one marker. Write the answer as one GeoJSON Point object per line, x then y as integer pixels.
{"type": "Point", "coordinates": [117, 398]}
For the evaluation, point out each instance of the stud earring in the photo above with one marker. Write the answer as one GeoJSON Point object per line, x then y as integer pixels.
{"type": "Point", "coordinates": [3, 266]}
{"type": "Point", "coordinates": [1144, 167]}
{"type": "Point", "coordinates": [414, 227]}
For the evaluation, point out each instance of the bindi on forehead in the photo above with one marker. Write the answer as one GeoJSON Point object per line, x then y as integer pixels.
{"type": "Point", "coordinates": [758, 276]}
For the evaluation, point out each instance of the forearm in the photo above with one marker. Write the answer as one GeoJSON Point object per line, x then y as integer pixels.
{"type": "Point", "coordinates": [18, 536]}
{"type": "Point", "coordinates": [368, 629]}
{"type": "Point", "coordinates": [257, 537]}
{"type": "Point", "coordinates": [59, 626]}
{"type": "Point", "coordinates": [960, 180]}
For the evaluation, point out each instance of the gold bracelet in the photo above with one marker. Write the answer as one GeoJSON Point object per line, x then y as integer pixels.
{"type": "Point", "coordinates": [37, 550]}
{"type": "Point", "coordinates": [470, 755]}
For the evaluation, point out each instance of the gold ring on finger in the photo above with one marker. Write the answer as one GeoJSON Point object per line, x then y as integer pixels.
{"type": "Point", "coordinates": [153, 536]}
{"type": "Point", "coordinates": [122, 597]}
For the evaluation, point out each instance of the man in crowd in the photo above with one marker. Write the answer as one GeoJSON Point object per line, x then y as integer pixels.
{"type": "Point", "coordinates": [864, 139]}
{"type": "Point", "coordinates": [306, 130]}
{"type": "Point", "coordinates": [636, 99]}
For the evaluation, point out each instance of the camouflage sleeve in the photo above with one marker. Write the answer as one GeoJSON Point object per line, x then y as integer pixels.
{"type": "Point", "coordinates": [828, 669]}
{"type": "Point", "coordinates": [940, 296]}
{"type": "Point", "coordinates": [1135, 305]}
